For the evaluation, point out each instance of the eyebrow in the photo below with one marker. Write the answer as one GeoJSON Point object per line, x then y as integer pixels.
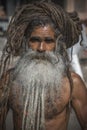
{"type": "Point", "coordinates": [49, 39]}
{"type": "Point", "coordinates": [36, 38]}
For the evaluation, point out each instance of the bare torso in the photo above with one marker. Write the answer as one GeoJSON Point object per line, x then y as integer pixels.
{"type": "Point", "coordinates": [56, 114]}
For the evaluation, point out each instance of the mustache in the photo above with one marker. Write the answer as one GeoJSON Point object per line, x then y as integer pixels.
{"type": "Point", "coordinates": [42, 56]}
{"type": "Point", "coordinates": [38, 80]}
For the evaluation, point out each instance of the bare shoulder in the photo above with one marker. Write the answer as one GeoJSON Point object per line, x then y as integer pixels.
{"type": "Point", "coordinates": [77, 80]}
{"type": "Point", "coordinates": [79, 87]}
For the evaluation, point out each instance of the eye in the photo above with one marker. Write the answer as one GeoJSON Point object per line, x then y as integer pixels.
{"type": "Point", "coordinates": [49, 40]}
{"type": "Point", "coordinates": [35, 39]}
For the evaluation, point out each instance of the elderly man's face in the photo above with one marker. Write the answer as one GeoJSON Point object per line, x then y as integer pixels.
{"type": "Point", "coordinates": [42, 39]}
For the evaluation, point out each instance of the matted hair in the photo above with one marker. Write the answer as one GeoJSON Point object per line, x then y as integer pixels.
{"type": "Point", "coordinates": [68, 26]}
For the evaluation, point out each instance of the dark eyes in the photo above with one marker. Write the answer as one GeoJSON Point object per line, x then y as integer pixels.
{"type": "Point", "coordinates": [48, 40]}
{"type": "Point", "coordinates": [35, 39]}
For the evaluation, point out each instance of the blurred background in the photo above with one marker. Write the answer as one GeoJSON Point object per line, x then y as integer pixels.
{"type": "Point", "coordinates": [79, 61]}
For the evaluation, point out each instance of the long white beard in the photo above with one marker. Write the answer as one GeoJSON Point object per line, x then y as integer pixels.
{"type": "Point", "coordinates": [38, 75]}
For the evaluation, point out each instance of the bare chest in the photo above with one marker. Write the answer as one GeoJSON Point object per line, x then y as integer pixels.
{"type": "Point", "coordinates": [52, 105]}
{"type": "Point", "coordinates": [56, 106]}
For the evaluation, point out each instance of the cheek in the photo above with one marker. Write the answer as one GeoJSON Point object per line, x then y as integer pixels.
{"type": "Point", "coordinates": [33, 46]}
{"type": "Point", "coordinates": [50, 47]}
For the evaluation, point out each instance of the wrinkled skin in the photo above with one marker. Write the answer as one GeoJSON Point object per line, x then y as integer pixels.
{"type": "Point", "coordinates": [53, 121]}
{"type": "Point", "coordinates": [79, 103]}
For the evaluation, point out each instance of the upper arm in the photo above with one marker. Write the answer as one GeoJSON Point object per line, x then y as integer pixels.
{"type": "Point", "coordinates": [79, 99]}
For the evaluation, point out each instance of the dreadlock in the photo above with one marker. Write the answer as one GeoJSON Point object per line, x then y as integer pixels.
{"type": "Point", "coordinates": [68, 30]}
{"type": "Point", "coordinates": [68, 27]}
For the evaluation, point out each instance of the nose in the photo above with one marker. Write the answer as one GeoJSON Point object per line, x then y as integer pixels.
{"type": "Point", "coordinates": [41, 47]}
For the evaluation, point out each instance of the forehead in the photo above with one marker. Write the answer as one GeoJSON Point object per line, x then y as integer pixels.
{"type": "Point", "coordinates": [43, 31]}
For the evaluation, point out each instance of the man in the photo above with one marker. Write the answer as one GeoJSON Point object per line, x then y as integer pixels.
{"type": "Point", "coordinates": [38, 86]}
